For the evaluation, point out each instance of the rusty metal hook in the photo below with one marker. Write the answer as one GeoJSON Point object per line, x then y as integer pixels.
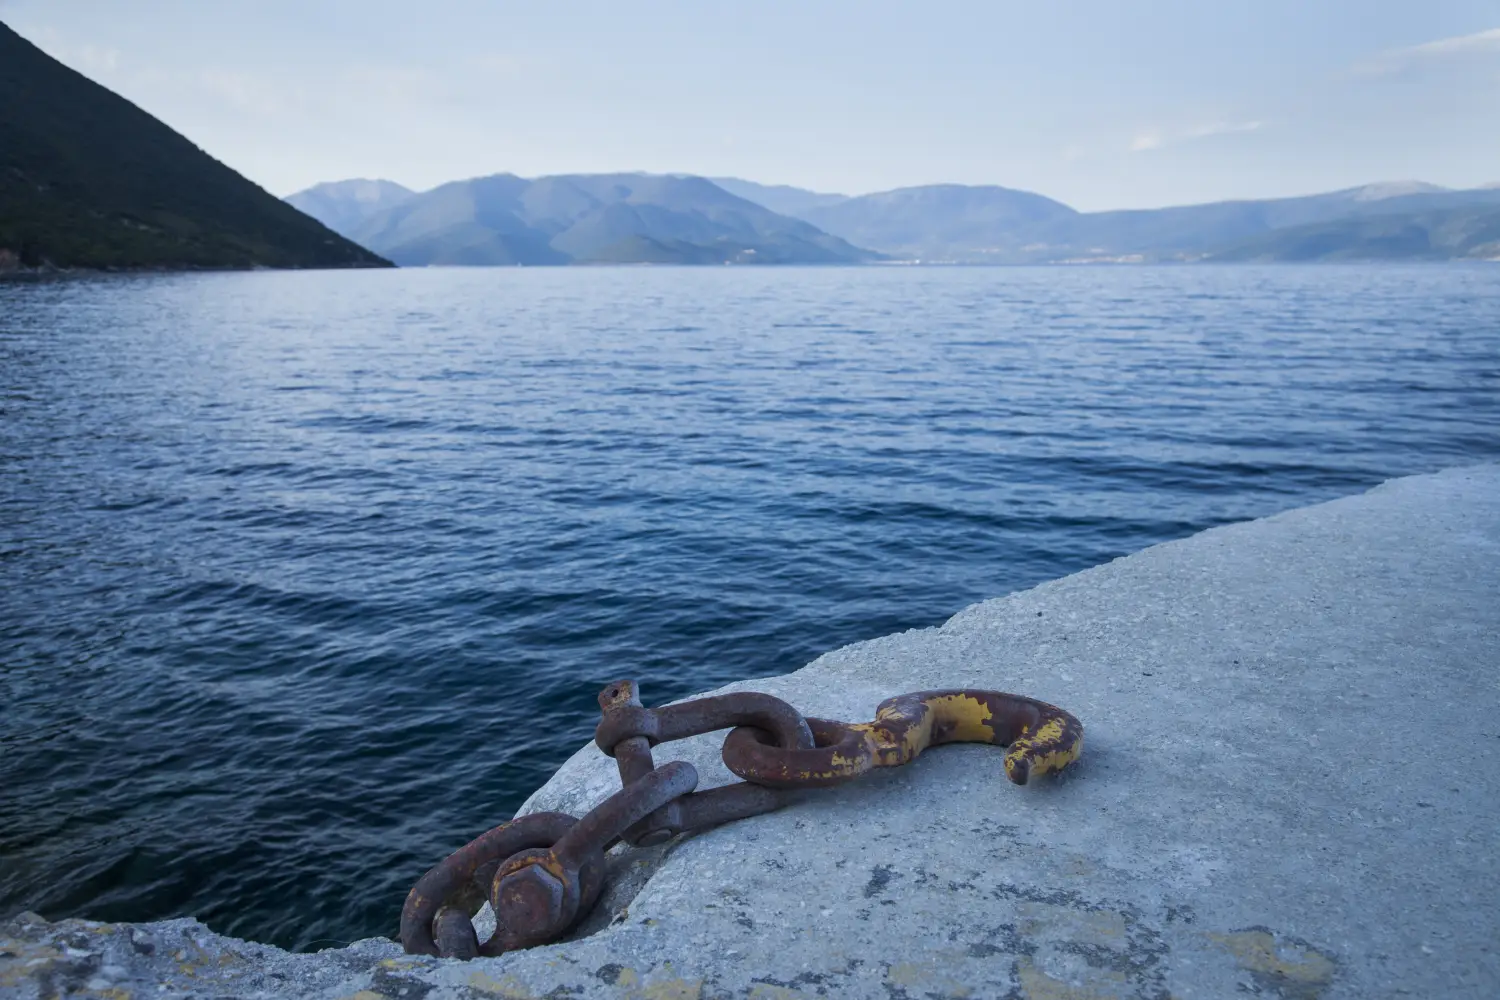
{"type": "Point", "coordinates": [1042, 739]}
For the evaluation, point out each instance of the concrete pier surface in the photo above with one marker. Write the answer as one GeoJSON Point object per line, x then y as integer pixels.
{"type": "Point", "coordinates": [1290, 787]}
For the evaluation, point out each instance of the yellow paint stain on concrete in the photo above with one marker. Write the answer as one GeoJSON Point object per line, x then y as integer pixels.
{"type": "Point", "coordinates": [400, 964]}
{"type": "Point", "coordinates": [765, 991]}
{"type": "Point", "coordinates": [673, 989]}
{"type": "Point", "coordinates": [906, 974]}
{"type": "Point", "coordinates": [925, 976]}
{"type": "Point", "coordinates": [189, 966]}
{"type": "Point", "coordinates": [1037, 985]}
{"type": "Point", "coordinates": [25, 960]}
{"type": "Point", "coordinates": [1257, 951]}
{"type": "Point", "coordinates": [510, 988]}
{"type": "Point", "coordinates": [111, 993]}
{"type": "Point", "coordinates": [665, 987]}
{"type": "Point", "coordinates": [628, 984]}
{"type": "Point", "coordinates": [1105, 928]}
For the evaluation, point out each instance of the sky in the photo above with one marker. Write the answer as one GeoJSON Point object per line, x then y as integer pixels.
{"type": "Point", "coordinates": [1099, 103]}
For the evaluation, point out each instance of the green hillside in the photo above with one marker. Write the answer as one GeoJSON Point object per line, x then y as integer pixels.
{"type": "Point", "coordinates": [88, 179]}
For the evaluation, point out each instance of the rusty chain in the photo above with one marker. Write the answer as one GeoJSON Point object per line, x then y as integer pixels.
{"type": "Point", "coordinates": [542, 873]}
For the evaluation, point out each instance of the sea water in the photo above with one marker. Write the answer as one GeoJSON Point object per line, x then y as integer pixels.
{"type": "Point", "coordinates": [308, 578]}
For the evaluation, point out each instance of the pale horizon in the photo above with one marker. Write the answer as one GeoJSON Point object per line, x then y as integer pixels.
{"type": "Point", "coordinates": [855, 194]}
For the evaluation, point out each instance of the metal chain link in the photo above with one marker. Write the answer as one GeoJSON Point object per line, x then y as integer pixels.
{"type": "Point", "coordinates": [544, 872]}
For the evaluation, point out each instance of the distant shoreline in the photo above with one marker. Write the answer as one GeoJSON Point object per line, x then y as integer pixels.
{"type": "Point", "coordinates": [17, 274]}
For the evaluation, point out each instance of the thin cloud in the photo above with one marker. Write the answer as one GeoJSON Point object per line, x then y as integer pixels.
{"type": "Point", "coordinates": [249, 93]}
{"type": "Point", "coordinates": [1396, 60]}
{"type": "Point", "coordinates": [1155, 138]}
{"type": "Point", "coordinates": [501, 64]}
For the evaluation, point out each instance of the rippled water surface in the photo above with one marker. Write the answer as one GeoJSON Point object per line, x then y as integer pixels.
{"type": "Point", "coordinates": [308, 578]}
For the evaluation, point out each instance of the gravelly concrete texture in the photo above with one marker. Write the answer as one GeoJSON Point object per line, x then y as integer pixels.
{"type": "Point", "coordinates": [1290, 788]}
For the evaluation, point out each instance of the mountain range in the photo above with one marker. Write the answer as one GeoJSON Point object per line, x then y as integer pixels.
{"type": "Point", "coordinates": [1436, 234]}
{"type": "Point", "coordinates": [570, 219]}
{"type": "Point", "coordinates": [343, 205]}
{"type": "Point", "coordinates": [780, 198]}
{"type": "Point", "coordinates": [88, 179]}
{"type": "Point", "coordinates": [687, 219]}
{"type": "Point", "coordinates": [950, 222]}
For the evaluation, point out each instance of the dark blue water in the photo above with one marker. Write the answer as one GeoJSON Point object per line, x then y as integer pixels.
{"type": "Point", "coordinates": [309, 578]}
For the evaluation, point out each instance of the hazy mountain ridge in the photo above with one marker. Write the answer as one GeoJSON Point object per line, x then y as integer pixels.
{"type": "Point", "coordinates": [1464, 232]}
{"type": "Point", "coordinates": [343, 205]}
{"type": "Point", "coordinates": [945, 222]}
{"type": "Point", "coordinates": [1192, 232]}
{"type": "Point", "coordinates": [783, 199]}
{"type": "Point", "coordinates": [1020, 230]}
{"type": "Point", "coordinates": [931, 223]}
{"type": "Point", "coordinates": [87, 179]}
{"type": "Point", "coordinates": [592, 218]}
{"type": "Point", "coordinates": [939, 219]}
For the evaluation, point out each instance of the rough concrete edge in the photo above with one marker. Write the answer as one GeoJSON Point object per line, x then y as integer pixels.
{"type": "Point", "coordinates": [589, 774]}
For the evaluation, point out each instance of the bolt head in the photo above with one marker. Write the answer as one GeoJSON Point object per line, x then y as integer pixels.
{"type": "Point", "coordinates": [530, 899]}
